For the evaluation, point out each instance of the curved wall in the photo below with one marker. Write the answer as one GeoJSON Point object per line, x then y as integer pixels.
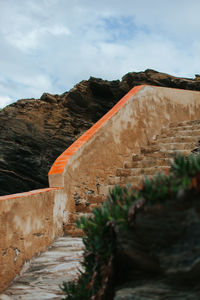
{"type": "Point", "coordinates": [130, 124]}
{"type": "Point", "coordinates": [29, 222]}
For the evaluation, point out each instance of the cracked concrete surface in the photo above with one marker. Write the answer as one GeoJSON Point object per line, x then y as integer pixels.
{"type": "Point", "coordinates": [42, 276]}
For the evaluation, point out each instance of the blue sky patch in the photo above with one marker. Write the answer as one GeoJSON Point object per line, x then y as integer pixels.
{"type": "Point", "coordinates": [121, 29]}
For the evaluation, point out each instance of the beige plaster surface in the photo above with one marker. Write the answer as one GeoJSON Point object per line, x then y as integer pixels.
{"type": "Point", "coordinates": [134, 125]}
{"type": "Point", "coordinates": [28, 224]}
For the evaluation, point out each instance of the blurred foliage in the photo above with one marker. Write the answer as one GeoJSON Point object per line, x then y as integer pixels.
{"type": "Point", "coordinates": [100, 237]}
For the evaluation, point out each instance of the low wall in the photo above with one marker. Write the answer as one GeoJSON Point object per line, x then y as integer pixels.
{"type": "Point", "coordinates": [29, 222]}
{"type": "Point", "coordinates": [130, 124]}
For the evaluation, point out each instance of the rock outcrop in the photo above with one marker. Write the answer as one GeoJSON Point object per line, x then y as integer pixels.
{"type": "Point", "coordinates": [158, 258]}
{"type": "Point", "coordinates": [34, 132]}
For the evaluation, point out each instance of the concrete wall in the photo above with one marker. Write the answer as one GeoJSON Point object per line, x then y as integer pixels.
{"type": "Point", "coordinates": [132, 123]}
{"type": "Point", "coordinates": [29, 222]}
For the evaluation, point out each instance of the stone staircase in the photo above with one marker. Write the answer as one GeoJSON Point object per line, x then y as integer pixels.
{"type": "Point", "coordinates": [83, 208]}
{"type": "Point", "coordinates": [177, 138]}
{"type": "Point", "coordinates": [44, 274]}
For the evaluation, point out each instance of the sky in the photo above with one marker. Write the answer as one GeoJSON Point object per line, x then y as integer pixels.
{"type": "Point", "coordinates": [50, 45]}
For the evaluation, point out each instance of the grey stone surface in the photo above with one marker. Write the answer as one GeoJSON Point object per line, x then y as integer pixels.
{"type": "Point", "coordinates": [158, 290]}
{"type": "Point", "coordinates": [41, 277]}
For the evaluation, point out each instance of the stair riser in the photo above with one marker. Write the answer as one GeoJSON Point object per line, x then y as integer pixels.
{"type": "Point", "coordinates": [82, 208]}
{"type": "Point", "coordinates": [162, 162]}
{"type": "Point", "coordinates": [147, 163]}
{"type": "Point", "coordinates": [185, 123]}
{"type": "Point", "coordinates": [168, 154]}
{"type": "Point", "coordinates": [72, 230]}
{"type": "Point", "coordinates": [149, 149]}
{"type": "Point", "coordinates": [125, 180]}
{"type": "Point", "coordinates": [153, 171]}
{"type": "Point", "coordinates": [87, 209]}
{"type": "Point", "coordinates": [182, 128]}
{"type": "Point", "coordinates": [186, 139]}
{"type": "Point", "coordinates": [105, 189]}
{"type": "Point", "coordinates": [168, 146]}
{"type": "Point", "coordinates": [77, 216]}
{"type": "Point", "coordinates": [173, 133]}
{"type": "Point", "coordinates": [141, 171]}
{"type": "Point", "coordinates": [177, 146]}
{"type": "Point", "coordinates": [95, 199]}
{"type": "Point", "coordinates": [128, 172]}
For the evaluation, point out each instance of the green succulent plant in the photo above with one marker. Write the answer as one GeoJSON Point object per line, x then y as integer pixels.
{"type": "Point", "coordinates": [100, 242]}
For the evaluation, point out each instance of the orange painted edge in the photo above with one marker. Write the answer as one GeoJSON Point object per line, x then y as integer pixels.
{"type": "Point", "coordinates": [27, 194]}
{"type": "Point", "coordinates": [60, 163]}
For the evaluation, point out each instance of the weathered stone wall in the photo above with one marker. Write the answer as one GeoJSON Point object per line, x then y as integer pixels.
{"type": "Point", "coordinates": [130, 124]}
{"type": "Point", "coordinates": [29, 222]}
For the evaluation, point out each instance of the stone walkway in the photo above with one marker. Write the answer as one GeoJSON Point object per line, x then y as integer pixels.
{"type": "Point", "coordinates": [41, 277]}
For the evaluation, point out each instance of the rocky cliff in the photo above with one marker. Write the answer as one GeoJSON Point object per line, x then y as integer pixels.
{"type": "Point", "coordinates": [34, 132]}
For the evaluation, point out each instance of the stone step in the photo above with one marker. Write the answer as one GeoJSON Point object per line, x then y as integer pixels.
{"type": "Point", "coordinates": [171, 132]}
{"type": "Point", "coordinates": [188, 127]}
{"type": "Point", "coordinates": [95, 198]}
{"type": "Point", "coordinates": [168, 153]}
{"type": "Point", "coordinates": [137, 157]}
{"type": "Point", "coordinates": [134, 158]}
{"type": "Point", "coordinates": [104, 189]}
{"type": "Point", "coordinates": [86, 207]}
{"type": "Point", "coordinates": [185, 127]}
{"type": "Point", "coordinates": [82, 206]}
{"type": "Point", "coordinates": [117, 180]}
{"type": "Point", "coordinates": [72, 230]}
{"type": "Point", "coordinates": [184, 123]}
{"type": "Point", "coordinates": [78, 215]}
{"type": "Point", "coordinates": [153, 170]}
{"type": "Point", "coordinates": [140, 171]}
{"type": "Point", "coordinates": [167, 146]}
{"type": "Point", "coordinates": [150, 149]}
{"type": "Point", "coordinates": [124, 172]}
{"type": "Point", "coordinates": [177, 146]}
{"type": "Point", "coordinates": [71, 244]}
{"type": "Point", "coordinates": [179, 139]}
{"type": "Point", "coordinates": [154, 161]}
{"type": "Point", "coordinates": [148, 162]}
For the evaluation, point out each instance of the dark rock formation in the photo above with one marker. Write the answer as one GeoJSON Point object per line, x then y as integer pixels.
{"type": "Point", "coordinates": [159, 257]}
{"type": "Point", "coordinates": [34, 132]}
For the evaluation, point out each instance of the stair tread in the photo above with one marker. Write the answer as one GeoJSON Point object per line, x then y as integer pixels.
{"type": "Point", "coordinates": [191, 122]}
{"type": "Point", "coordinates": [173, 132]}
{"type": "Point", "coordinates": [86, 208]}
{"type": "Point", "coordinates": [185, 139]}
{"type": "Point", "coordinates": [143, 168]}
{"type": "Point", "coordinates": [95, 198]}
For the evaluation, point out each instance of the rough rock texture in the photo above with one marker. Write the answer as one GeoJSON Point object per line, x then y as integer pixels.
{"type": "Point", "coordinates": [34, 132]}
{"type": "Point", "coordinates": [159, 258]}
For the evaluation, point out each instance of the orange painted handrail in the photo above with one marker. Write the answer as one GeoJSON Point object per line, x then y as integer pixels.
{"type": "Point", "coordinates": [30, 193]}
{"type": "Point", "coordinates": [60, 163]}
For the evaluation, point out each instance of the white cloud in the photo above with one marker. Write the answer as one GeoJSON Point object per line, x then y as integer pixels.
{"type": "Point", "coordinates": [51, 45]}
{"type": "Point", "coordinates": [4, 100]}
{"type": "Point", "coordinates": [57, 30]}
{"type": "Point", "coordinates": [30, 40]}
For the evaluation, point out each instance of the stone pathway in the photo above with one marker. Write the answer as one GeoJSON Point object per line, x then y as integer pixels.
{"type": "Point", "coordinates": [41, 277]}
